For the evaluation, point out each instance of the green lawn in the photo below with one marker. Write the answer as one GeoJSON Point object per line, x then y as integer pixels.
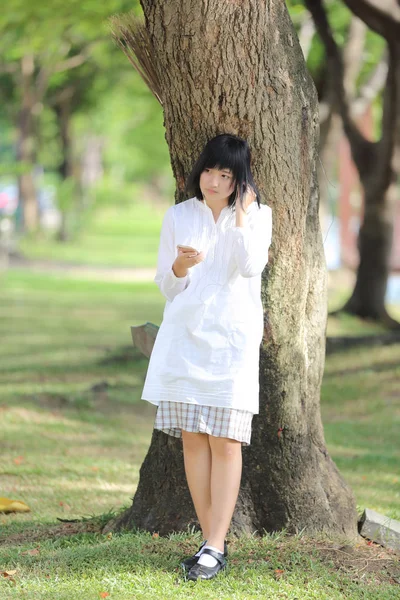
{"type": "Point", "coordinates": [115, 236]}
{"type": "Point", "coordinates": [74, 433]}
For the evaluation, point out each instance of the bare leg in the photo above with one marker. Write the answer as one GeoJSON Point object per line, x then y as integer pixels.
{"type": "Point", "coordinates": [197, 458]}
{"type": "Point", "coordinates": [226, 472]}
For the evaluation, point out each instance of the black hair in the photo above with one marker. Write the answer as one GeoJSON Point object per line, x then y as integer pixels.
{"type": "Point", "coordinates": [225, 151]}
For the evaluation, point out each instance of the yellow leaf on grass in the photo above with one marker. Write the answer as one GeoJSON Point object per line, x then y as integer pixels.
{"type": "Point", "coordinates": [8, 506]}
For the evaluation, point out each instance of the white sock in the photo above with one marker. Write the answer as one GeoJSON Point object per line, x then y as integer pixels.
{"type": "Point", "coordinates": [206, 559]}
{"type": "Point", "coordinates": [200, 551]}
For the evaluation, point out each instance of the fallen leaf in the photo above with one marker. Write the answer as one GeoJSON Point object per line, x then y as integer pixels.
{"type": "Point", "coordinates": [278, 573]}
{"type": "Point", "coordinates": [7, 506]}
{"type": "Point", "coordinates": [32, 552]}
{"type": "Point", "coordinates": [9, 577]}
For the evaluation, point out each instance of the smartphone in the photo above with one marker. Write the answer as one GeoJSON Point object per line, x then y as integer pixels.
{"type": "Point", "coordinates": [187, 248]}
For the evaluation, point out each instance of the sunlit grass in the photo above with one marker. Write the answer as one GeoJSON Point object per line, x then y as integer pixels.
{"type": "Point", "coordinates": [92, 566]}
{"type": "Point", "coordinates": [118, 236]}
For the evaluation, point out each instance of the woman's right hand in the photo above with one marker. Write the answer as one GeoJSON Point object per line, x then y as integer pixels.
{"type": "Point", "coordinates": [186, 258]}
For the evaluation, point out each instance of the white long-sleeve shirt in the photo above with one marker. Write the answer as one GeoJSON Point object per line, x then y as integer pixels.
{"type": "Point", "coordinates": [207, 348]}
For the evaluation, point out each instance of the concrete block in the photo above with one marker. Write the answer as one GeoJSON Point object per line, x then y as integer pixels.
{"type": "Point", "coordinates": [380, 529]}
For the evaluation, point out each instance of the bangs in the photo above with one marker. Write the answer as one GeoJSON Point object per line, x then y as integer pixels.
{"type": "Point", "coordinates": [225, 151]}
{"type": "Point", "coordinates": [224, 158]}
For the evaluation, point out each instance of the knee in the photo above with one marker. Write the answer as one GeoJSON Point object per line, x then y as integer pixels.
{"type": "Point", "coordinates": [225, 447]}
{"type": "Point", "coordinates": [193, 442]}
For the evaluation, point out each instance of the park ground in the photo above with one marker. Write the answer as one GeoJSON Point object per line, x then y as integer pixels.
{"type": "Point", "coordinates": [74, 433]}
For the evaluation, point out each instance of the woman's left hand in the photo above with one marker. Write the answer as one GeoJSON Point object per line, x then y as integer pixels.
{"type": "Point", "coordinates": [241, 212]}
{"type": "Point", "coordinates": [249, 197]}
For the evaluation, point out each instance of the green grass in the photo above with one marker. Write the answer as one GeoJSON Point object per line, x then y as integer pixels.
{"type": "Point", "coordinates": [345, 325]}
{"type": "Point", "coordinates": [74, 433]}
{"type": "Point", "coordinates": [138, 566]}
{"type": "Point", "coordinates": [115, 236]}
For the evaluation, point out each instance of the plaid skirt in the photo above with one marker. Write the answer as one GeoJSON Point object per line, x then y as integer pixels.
{"type": "Point", "coordinates": [218, 421]}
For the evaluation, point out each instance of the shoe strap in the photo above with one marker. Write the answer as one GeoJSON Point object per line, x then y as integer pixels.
{"type": "Point", "coordinates": [219, 556]}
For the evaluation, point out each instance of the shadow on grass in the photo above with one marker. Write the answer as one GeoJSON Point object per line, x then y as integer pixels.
{"type": "Point", "coordinates": [376, 368]}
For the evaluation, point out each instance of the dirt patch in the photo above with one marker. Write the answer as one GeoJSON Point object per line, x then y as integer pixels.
{"type": "Point", "coordinates": [366, 562]}
{"type": "Point", "coordinates": [100, 397]}
{"type": "Point", "coordinates": [339, 343]}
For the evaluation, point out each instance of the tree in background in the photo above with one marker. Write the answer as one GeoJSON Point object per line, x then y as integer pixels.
{"type": "Point", "coordinates": [376, 162]}
{"type": "Point", "coordinates": [42, 44]}
{"type": "Point", "coordinates": [238, 67]}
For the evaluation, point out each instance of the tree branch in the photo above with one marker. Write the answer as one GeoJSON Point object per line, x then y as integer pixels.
{"type": "Point", "coordinates": [371, 88]}
{"type": "Point", "coordinates": [353, 55]}
{"type": "Point", "coordinates": [71, 63]}
{"type": "Point", "coordinates": [382, 16]}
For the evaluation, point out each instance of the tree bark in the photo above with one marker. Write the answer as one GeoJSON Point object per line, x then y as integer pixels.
{"type": "Point", "coordinates": [237, 67]}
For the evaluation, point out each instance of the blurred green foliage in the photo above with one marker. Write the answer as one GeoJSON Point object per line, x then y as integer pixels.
{"type": "Point", "coordinates": [73, 54]}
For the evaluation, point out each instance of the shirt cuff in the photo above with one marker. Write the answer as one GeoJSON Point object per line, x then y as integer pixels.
{"type": "Point", "coordinates": [174, 285]}
{"type": "Point", "coordinates": [177, 279]}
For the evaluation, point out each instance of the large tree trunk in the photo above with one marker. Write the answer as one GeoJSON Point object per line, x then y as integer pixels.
{"type": "Point", "coordinates": [374, 245]}
{"type": "Point", "coordinates": [237, 67]}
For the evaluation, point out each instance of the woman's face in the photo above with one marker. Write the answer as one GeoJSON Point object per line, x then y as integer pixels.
{"type": "Point", "coordinates": [216, 184]}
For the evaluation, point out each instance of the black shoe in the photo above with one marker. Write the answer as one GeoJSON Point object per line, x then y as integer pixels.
{"type": "Point", "coordinates": [188, 563]}
{"type": "Point", "coordinates": [203, 572]}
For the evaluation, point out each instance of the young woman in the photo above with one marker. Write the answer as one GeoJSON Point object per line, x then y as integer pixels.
{"type": "Point", "coordinates": [203, 371]}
